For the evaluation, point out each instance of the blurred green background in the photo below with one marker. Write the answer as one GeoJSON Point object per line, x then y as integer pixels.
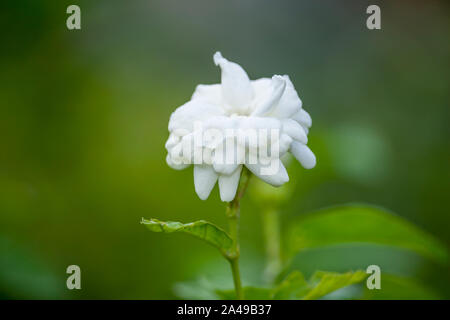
{"type": "Point", "coordinates": [83, 122]}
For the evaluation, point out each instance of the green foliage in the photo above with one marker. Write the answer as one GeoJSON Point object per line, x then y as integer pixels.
{"type": "Point", "coordinates": [324, 283]}
{"type": "Point", "coordinates": [347, 224]}
{"type": "Point", "coordinates": [295, 287]}
{"type": "Point", "coordinates": [201, 229]}
{"type": "Point", "coordinates": [362, 223]}
{"type": "Point", "coordinates": [319, 285]}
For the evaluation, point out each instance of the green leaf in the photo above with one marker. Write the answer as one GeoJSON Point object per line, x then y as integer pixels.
{"type": "Point", "coordinates": [201, 229]}
{"type": "Point", "coordinates": [323, 283]}
{"type": "Point", "coordinates": [294, 286]}
{"type": "Point", "coordinates": [362, 224]}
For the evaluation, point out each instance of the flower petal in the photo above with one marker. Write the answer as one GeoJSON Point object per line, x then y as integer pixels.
{"type": "Point", "coordinates": [224, 168]}
{"type": "Point", "coordinates": [174, 165]}
{"type": "Point", "coordinates": [228, 184]}
{"type": "Point", "coordinates": [289, 103]}
{"type": "Point", "coordinates": [225, 157]}
{"type": "Point", "coordinates": [276, 178]}
{"type": "Point", "coordinates": [303, 118]}
{"type": "Point", "coordinates": [172, 141]}
{"type": "Point", "coordinates": [285, 143]}
{"type": "Point", "coordinates": [204, 180]}
{"type": "Point", "coordinates": [278, 84]}
{"type": "Point", "coordinates": [303, 154]}
{"type": "Point", "coordinates": [209, 93]}
{"type": "Point", "coordinates": [261, 86]}
{"type": "Point", "coordinates": [237, 91]}
{"type": "Point", "coordinates": [295, 130]}
{"type": "Point", "coordinates": [183, 118]}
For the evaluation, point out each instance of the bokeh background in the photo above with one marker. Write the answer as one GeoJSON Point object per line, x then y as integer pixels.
{"type": "Point", "coordinates": [83, 122]}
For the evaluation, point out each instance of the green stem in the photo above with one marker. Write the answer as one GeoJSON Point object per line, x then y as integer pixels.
{"type": "Point", "coordinates": [233, 210]}
{"type": "Point", "coordinates": [271, 227]}
{"type": "Point", "coordinates": [237, 278]}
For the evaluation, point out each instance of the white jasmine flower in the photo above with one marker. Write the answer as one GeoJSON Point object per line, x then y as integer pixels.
{"type": "Point", "coordinates": [220, 115]}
